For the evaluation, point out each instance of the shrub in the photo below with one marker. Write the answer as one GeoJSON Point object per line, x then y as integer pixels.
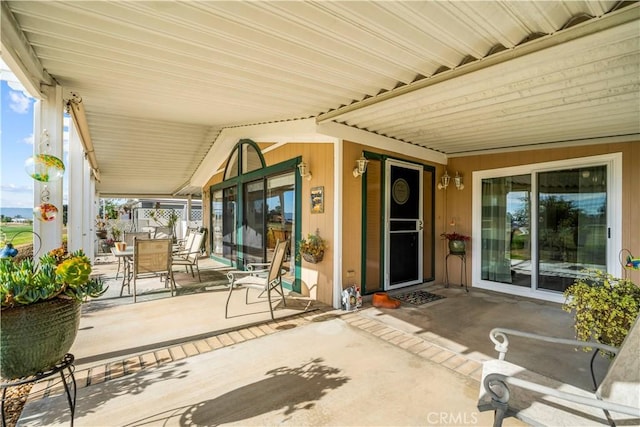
{"type": "Point", "coordinates": [605, 307]}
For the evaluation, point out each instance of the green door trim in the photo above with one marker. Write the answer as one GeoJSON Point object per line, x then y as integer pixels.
{"type": "Point", "coordinates": [255, 175]}
{"type": "Point", "coordinates": [363, 242]}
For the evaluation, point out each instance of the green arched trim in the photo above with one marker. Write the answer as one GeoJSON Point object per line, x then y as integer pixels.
{"type": "Point", "coordinates": [238, 150]}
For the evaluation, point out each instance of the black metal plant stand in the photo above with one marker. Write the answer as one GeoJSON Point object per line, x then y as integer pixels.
{"type": "Point", "coordinates": [67, 378]}
{"type": "Point", "coordinates": [463, 269]}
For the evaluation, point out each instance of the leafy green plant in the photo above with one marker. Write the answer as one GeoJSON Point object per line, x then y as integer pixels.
{"type": "Point", "coordinates": [116, 232]}
{"type": "Point", "coordinates": [605, 307]}
{"type": "Point", "coordinates": [166, 218]}
{"type": "Point", "coordinates": [57, 275]}
{"type": "Point", "coordinates": [313, 245]}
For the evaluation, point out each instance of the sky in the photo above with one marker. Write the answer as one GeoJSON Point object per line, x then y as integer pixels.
{"type": "Point", "coordinates": [16, 135]}
{"type": "Point", "coordinates": [16, 131]}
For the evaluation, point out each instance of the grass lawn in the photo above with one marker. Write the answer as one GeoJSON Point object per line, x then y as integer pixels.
{"type": "Point", "coordinates": [11, 230]}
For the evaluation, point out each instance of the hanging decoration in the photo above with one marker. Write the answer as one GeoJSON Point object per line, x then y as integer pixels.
{"type": "Point", "coordinates": [44, 167]}
{"type": "Point", "coordinates": [46, 211]}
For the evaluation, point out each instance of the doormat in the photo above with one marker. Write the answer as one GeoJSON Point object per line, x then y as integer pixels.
{"type": "Point", "coordinates": [418, 297]}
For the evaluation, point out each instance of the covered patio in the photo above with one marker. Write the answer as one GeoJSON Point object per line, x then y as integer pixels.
{"type": "Point", "coordinates": [225, 101]}
{"type": "Point", "coordinates": [121, 344]}
{"type": "Point", "coordinates": [159, 93]}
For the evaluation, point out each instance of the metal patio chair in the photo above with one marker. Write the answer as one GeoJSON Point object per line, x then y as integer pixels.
{"type": "Point", "coordinates": [264, 280]}
{"type": "Point", "coordinates": [189, 258]}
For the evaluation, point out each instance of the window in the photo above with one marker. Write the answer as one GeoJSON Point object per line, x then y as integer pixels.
{"type": "Point", "coordinates": [540, 226]}
{"type": "Point", "coordinates": [247, 153]}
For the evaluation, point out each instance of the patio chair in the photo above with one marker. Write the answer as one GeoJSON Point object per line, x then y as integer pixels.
{"type": "Point", "coordinates": [152, 258]}
{"type": "Point", "coordinates": [511, 390]}
{"type": "Point", "coordinates": [163, 233]}
{"type": "Point", "coordinates": [128, 237]}
{"type": "Point", "coordinates": [189, 258]}
{"type": "Point", "coordinates": [183, 246]}
{"type": "Point", "coordinates": [257, 279]}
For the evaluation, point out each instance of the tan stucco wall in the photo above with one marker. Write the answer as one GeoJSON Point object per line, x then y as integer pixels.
{"type": "Point", "coordinates": [450, 204]}
{"type": "Point", "coordinates": [457, 205]}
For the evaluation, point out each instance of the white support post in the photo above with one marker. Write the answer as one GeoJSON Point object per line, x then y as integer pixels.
{"type": "Point", "coordinates": [48, 115]}
{"type": "Point", "coordinates": [80, 218]}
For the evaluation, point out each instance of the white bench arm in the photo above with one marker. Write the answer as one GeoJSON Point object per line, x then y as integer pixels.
{"type": "Point", "coordinates": [497, 386]}
{"type": "Point", "coordinates": [499, 337]}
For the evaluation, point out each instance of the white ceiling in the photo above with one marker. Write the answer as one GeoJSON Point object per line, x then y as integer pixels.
{"type": "Point", "coordinates": [160, 79]}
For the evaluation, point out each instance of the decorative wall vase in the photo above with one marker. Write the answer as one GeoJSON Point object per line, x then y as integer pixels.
{"type": "Point", "coordinates": [37, 336]}
{"type": "Point", "coordinates": [457, 247]}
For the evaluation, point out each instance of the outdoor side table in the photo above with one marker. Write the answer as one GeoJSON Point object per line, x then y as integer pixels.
{"type": "Point", "coordinates": [64, 368]}
{"type": "Point", "coordinates": [463, 270]}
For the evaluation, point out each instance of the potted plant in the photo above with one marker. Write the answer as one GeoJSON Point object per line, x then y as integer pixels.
{"type": "Point", "coordinates": [312, 248]}
{"type": "Point", "coordinates": [457, 242]}
{"type": "Point", "coordinates": [101, 228]}
{"type": "Point", "coordinates": [168, 220]}
{"type": "Point", "coordinates": [605, 307]}
{"type": "Point", "coordinates": [40, 308]}
{"type": "Point", "coordinates": [116, 233]}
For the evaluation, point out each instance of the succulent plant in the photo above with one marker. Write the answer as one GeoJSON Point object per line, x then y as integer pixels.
{"type": "Point", "coordinates": [56, 275]}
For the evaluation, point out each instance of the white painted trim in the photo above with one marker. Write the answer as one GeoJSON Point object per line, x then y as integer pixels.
{"type": "Point", "coordinates": [307, 131]}
{"type": "Point", "coordinates": [552, 145]}
{"type": "Point", "coordinates": [381, 142]}
{"type": "Point", "coordinates": [387, 223]}
{"type": "Point", "coordinates": [338, 208]}
{"type": "Point", "coordinates": [280, 132]}
{"type": "Point", "coordinates": [614, 218]}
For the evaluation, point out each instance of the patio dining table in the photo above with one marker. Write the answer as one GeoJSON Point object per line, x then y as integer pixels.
{"type": "Point", "coordinates": [123, 255]}
{"type": "Point", "coordinates": [126, 256]}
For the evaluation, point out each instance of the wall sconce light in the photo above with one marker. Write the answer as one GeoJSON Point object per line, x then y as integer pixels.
{"type": "Point", "coordinates": [304, 171]}
{"type": "Point", "coordinates": [458, 181]}
{"type": "Point", "coordinates": [361, 166]}
{"type": "Point", "coordinates": [444, 181]}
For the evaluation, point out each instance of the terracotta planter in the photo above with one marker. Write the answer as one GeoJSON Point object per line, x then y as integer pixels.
{"type": "Point", "coordinates": [37, 336]}
{"type": "Point", "coordinates": [457, 247]}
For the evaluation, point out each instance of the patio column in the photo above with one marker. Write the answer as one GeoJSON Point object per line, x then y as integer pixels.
{"type": "Point", "coordinates": [81, 191]}
{"type": "Point", "coordinates": [48, 114]}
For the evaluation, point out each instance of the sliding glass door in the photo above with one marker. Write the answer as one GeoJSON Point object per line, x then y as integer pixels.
{"type": "Point", "coordinates": [542, 229]}
{"type": "Point", "coordinates": [506, 230]}
{"type": "Point", "coordinates": [572, 224]}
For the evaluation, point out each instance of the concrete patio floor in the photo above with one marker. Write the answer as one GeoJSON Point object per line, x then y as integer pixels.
{"type": "Point", "coordinates": [178, 361]}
